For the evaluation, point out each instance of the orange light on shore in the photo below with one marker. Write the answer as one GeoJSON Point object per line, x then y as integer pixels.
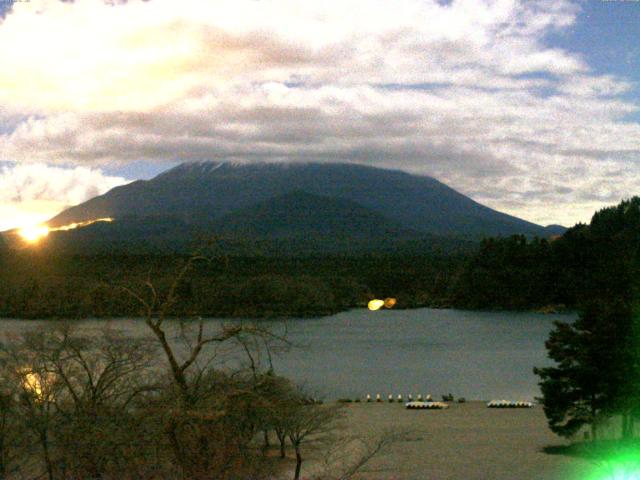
{"type": "Point", "coordinates": [377, 304]}
{"type": "Point", "coordinates": [34, 233]}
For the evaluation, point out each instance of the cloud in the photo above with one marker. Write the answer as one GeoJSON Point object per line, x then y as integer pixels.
{"type": "Point", "coordinates": [469, 92]}
{"type": "Point", "coordinates": [34, 193]}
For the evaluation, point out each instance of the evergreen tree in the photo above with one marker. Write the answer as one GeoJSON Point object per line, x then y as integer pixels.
{"type": "Point", "coordinates": [596, 372]}
{"type": "Point", "coordinates": [598, 356]}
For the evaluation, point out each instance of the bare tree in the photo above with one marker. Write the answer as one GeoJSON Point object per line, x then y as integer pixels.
{"type": "Point", "coordinates": [6, 407]}
{"type": "Point", "coordinates": [258, 350]}
{"type": "Point", "coordinates": [308, 422]}
{"type": "Point", "coordinates": [74, 393]}
{"type": "Point", "coordinates": [34, 390]}
{"type": "Point", "coordinates": [316, 428]}
{"type": "Point", "coordinates": [100, 376]}
{"type": "Point", "coordinates": [156, 308]}
{"type": "Point", "coordinates": [349, 455]}
{"type": "Point", "coordinates": [199, 418]}
{"type": "Point", "coordinates": [11, 435]}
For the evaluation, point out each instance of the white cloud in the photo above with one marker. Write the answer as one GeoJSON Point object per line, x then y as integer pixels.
{"type": "Point", "coordinates": [468, 92]}
{"type": "Point", "coordinates": [34, 193]}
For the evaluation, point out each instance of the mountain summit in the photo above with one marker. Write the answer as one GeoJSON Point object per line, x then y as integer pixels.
{"type": "Point", "coordinates": [256, 197]}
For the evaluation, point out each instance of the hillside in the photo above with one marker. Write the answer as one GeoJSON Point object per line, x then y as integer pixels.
{"type": "Point", "coordinates": [203, 193]}
{"type": "Point", "coordinates": [301, 214]}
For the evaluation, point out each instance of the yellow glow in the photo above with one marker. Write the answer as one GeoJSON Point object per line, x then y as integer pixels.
{"type": "Point", "coordinates": [376, 304]}
{"type": "Point", "coordinates": [14, 216]}
{"type": "Point", "coordinates": [33, 383]}
{"type": "Point", "coordinates": [37, 384]}
{"type": "Point", "coordinates": [112, 61]}
{"type": "Point", "coordinates": [34, 233]}
{"type": "Point", "coordinates": [72, 226]}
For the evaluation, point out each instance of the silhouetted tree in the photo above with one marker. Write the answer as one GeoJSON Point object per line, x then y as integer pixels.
{"type": "Point", "coordinates": [598, 356]}
{"type": "Point", "coordinates": [597, 369]}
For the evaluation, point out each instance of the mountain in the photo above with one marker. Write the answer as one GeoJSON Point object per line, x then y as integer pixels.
{"type": "Point", "coordinates": [293, 224]}
{"type": "Point", "coordinates": [129, 234]}
{"type": "Point", "coordinates": [202, 194]}
{"type": "Point", "coordinates": [301, 214]}
{"type": "Point", "coordinates": [301, 223]}
{"type": "Point", "coordinates": [555, 230]}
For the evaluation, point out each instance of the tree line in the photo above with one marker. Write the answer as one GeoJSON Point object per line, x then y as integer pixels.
{"type": "Point", "coordinates": [508, 273]}
{"type": "Point", "coordinates": [596, 376]}
{"type": "Point", "coordinates": [586, 262]}
{"type": "Point", "coordinates": [592, 269]}
{"type": "Point", "coordinates": [36, 285]}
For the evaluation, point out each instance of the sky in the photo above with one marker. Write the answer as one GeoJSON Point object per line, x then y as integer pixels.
{"type": "Point", "coordinates": [531, 107]}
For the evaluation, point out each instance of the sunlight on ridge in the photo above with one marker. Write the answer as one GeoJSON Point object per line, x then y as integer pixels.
{"type": "Point", "coordinates": [35, 233]}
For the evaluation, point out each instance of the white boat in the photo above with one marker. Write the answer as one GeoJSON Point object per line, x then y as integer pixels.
{"type": "Point", "coordinates": [417, 405]}
{"type": "Point", "coordinates": [509, 404]}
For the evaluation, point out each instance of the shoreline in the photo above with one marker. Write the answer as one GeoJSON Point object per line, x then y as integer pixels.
{"type": "Point", "coordinates": [466, 441]}
{"type": "Point", "coordinates": [299, 316]}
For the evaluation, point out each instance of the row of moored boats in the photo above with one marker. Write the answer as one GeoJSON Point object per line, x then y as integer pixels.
{"type": "Point", "coordinates": [442, 405]}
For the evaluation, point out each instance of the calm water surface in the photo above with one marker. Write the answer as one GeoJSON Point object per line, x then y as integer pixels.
{"type": "Point", "coordinates": [477, 355]}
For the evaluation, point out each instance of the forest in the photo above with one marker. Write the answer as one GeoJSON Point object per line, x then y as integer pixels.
{"type": "Point", "coordinates": [33, 285]}
{"type": "Point", "coordinates": [586, 262]}
{"type": "Point", "coordinates": [595, 379]}
{"type": "Point", "coordinates": [509, 273]}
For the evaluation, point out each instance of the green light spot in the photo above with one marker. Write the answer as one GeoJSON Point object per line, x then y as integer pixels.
{"type": "Point", "coordinates": [624, 467]}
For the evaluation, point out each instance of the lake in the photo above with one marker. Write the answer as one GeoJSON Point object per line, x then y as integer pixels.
{"type": "Point", "coordinates": [477, 355]}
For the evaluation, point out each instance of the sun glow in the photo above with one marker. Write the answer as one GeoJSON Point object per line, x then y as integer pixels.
{"type": "Point", "coordinates": [35, 233]}
{"type": "Point", "coordinates": [73, 226]}
{"type": "Point", "coordinates": [33, 383]}
{"type": "Point", "coordinates": [37, 384]}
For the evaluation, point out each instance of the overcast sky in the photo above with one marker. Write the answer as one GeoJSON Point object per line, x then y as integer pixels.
{"type": "Point", "coordinates": [530, 107]}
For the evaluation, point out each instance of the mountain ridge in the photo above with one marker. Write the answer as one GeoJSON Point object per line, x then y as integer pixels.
{"type": "Point", "coordinates": [203, 192]}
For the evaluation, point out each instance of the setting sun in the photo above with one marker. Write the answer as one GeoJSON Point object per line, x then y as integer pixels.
{"type": "Point", "coordinates": [33, 233]}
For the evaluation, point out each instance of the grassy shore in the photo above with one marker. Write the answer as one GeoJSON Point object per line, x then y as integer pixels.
{"type": "Point", "coordinates": [466, 442]}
